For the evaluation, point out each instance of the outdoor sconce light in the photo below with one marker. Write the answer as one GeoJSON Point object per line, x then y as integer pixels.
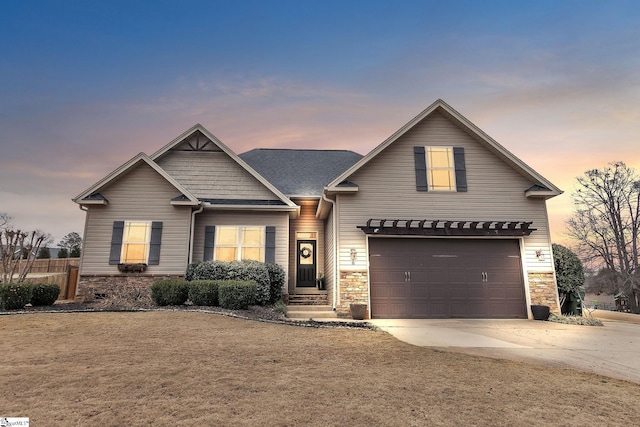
{"type": "Point", "coordinates": [539, 255]}
{"type": "Point", "coordinates": [354, 255]}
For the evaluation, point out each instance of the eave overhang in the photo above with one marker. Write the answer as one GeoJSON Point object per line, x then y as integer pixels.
{"type": "Point", "coordinates": [250, 206]}
{"type": "Point", "coordinates": [453, 228]}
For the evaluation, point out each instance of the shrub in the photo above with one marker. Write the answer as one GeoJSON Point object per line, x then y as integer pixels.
{"type": "Point", "coordinates": [169, 292]}
{"type": "Point", "coordinates": [238, 270]}
{"type": "Point", "coordinates": [203, 292]}
{"type": "Point", "coordinates": [575, 320]}
{"type": "Point", "coordinates": [189, 274]}
{"type": "Point", "coordinates": [236, 294]}
{"type": "Point", "coordinates": [570, 277]}
{"type": "Point", "coordinates": [209, 270]}
{"type": "Point", "coordinates": [280, 307]}
{"type": "Point", "coordinates": [14, 296]}
{"type": "Point", "coordinates": [277, 278]}
{"type": "Point", "coordinates": [44, 294]}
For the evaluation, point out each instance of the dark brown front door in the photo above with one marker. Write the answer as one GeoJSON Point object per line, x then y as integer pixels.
{"type": "Point", "coordinates": [306, 264]}
{"type": "Point", "coordinates": [446, 278]}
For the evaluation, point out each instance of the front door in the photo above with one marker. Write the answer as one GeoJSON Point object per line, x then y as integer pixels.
{"type": "Point", "coordinates": [306, 271]}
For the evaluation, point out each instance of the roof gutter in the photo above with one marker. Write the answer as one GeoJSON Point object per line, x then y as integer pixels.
{"type": "Point", "coordinates": [335, 249]}
{"type": "Point", "coordinates": [191, 232]}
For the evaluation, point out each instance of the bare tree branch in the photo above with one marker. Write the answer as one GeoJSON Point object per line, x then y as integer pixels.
{"type": "Point", "coordinates": [606, 224]}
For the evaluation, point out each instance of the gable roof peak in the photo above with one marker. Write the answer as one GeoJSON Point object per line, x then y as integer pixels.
{"type": "Point", "coordinates": [463, 122]}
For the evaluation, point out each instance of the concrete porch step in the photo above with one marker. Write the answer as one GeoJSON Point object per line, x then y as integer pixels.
{"type": "Point", "coordinates": [308, 299]}
{"type": "Point", "coordinates": [306, 312]}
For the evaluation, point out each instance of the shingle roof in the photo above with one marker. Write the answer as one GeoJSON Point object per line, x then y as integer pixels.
{"type": "Point", "coordinates": [300, 172]}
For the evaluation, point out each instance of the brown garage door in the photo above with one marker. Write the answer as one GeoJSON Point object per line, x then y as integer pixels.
{"type": "Point", "coordinates": [445, 278]}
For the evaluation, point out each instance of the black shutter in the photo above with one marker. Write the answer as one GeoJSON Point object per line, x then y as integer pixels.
{"type": "Point", "coordinates": [461, 170]}
{"type": "Point", "coordinates": [270, 245]}
{"type": "Point", "coordinates": [421, 169]}
{"type": "Point", "coordinates": [116, 242]}
{"type": "Point", "coordinates": [209, 242]}
{"type": "Point", "coordinates": [154, 247]}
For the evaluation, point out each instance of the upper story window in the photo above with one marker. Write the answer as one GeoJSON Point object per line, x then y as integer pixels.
{"type": "Point", "coordinates": [135, 242]}
{"type": "Point", "coordinates": [441, 169]}
{"type": "Point", "coordinates": [239, 242]}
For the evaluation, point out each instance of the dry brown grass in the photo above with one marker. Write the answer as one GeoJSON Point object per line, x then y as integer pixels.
{"type": "Point", "coordinates": [198, 369]}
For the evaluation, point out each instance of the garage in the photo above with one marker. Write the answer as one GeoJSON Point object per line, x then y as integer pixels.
{"type": "Point", "coordinates": [424, 278]}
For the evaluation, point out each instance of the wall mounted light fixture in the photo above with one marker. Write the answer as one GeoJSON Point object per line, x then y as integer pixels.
{"type": "Point", "coordinates": [354, 255]}
{"type": "Point", "coordinates": [539, 255]}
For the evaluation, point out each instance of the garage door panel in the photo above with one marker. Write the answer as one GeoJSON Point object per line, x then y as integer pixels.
{"type": "Point", "coordinates": [446, 278]}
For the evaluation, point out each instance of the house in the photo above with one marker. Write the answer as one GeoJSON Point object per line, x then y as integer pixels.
{"type": "Point", "coordinates": [438, 221]}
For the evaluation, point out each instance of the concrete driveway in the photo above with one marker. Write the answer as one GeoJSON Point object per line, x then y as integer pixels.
{"type": "Point", "coordinates": [612, 350]}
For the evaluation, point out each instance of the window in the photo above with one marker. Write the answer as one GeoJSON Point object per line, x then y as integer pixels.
{"type": "Point", "coordinates": [239, 242]}
{"type": "Point", "coordinates": [135, 242]}
{"type": "Point", "coordinates": [441, 169]}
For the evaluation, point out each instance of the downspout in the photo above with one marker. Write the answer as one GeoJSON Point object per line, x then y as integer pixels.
{"type": "Point", "coordinates": [335, 249]}
{"type": "Point", "coordinates": [84, 236]}
{"type": "Point", "coordinates": [191, 231]}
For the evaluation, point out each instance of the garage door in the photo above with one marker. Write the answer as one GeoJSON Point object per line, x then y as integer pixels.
{"type": "Point", "coordinates": [445, 278]}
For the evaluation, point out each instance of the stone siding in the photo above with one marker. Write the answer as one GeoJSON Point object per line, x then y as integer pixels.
{"type": "Point", "coordinates": [543, 291]}
{"type": "Point", "coordinates": [354, 288]}
{"type": "Point", "coordinates": [92, 285]}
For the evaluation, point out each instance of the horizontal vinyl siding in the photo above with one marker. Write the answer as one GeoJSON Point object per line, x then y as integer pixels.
{"type": "Point", "coordinates": [329, 256]}
{"type": "Point", "coordinates": [141, 195]}
{"type": "Point", "coordinates": [213, 174]}
{"type": "Point", "coordinates": [280, 220]}
{"type": "Point", "coordinates": [307, 221]}
{"type": "Point", "coordinates": [387, 189]}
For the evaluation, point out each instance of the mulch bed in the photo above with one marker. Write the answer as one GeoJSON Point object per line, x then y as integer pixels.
{"type": "Point", "coordinates": [255, 312]}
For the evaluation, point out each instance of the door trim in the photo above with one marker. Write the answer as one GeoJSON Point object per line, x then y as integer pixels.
{"type": "Point", "coordinates": [310, 282]}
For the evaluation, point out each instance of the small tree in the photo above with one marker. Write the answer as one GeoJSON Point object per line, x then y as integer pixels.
{"type": "Point", "coordinates": [44, 253]}
{"type": "Point", "coordinates": [14, 242]}
{"type": "Point", "coordinates": [72, 244]}
{"type": "Point", "coordinates": [63, 253]}
{"type": "Point", "coordinates": [569, 275]}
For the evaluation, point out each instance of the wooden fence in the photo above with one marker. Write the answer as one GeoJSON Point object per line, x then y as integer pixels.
{"type": "Point", "coordinates": [49, 265]}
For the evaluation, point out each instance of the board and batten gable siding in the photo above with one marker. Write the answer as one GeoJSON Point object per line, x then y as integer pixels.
{"type": "Point", "coordinates": [280, 220]}
{"type": "Point", "coordinates": [387, 190]}
{"type": "Point", "coordinates": [140, 195]}
{"type": "Point", "coordinates": [308, 222]}
{"type": "Point", "coordinates": [213, 174]}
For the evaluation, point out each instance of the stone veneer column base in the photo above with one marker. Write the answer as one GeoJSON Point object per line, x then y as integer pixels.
{"type": "Point", "coordinates": [91, 285]}
{"type": "Point", "coordinates": [354, 288]}
{"type": "Point", "coordinates": [543, 291]}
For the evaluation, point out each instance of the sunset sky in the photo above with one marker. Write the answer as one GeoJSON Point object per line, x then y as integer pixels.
{"type": "Point", "coordinates": [86, 85]}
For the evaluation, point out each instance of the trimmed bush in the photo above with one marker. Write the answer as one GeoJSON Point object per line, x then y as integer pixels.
{"type": "Point", "coordinates": [238, 270]}
{"type": "Point", "coordinates": [203, 292]}
{"type": "Point", "coordinates": [191, 268]}
{"type": "Point", "coordinates": [236, 294]}
{"type": "Point", "coordinates": [169, 292]}
{"type": "Point", "coordinates": [44, 294]}
{"type": "Point", "coordinates": [14, 296]}
{"type": "Point", "coordinates": [277, 278]}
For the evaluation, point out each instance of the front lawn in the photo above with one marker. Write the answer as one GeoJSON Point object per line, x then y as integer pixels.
{"type": "Point", "coordinates": [198, 369]}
